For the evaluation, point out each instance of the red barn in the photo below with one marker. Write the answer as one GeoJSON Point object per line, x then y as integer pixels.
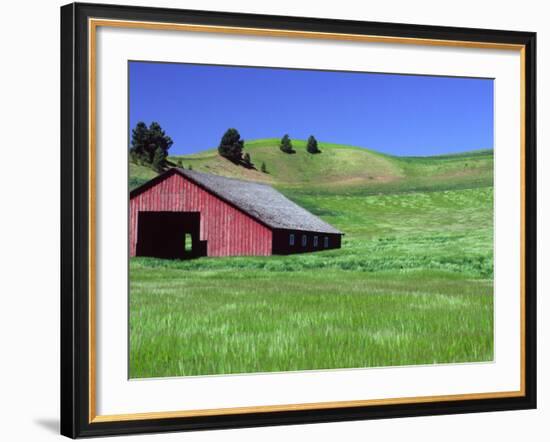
{"type": "Point", "coordinates": [184, 213]}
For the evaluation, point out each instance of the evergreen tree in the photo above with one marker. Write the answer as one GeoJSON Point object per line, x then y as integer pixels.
{"type": "Point", "coordinates": [263, 168]}
{"type": "Point", "coordinates": [231, 145]}
{"type": "Point", "coordinates": [180, 163]}
{"type": "Point", "coordinates": [158, 140]}
{"type": "Point", "coordinates": [247, 161]}
{"type": "Point", "coordinates": [190, 167]}
{"type": "Point", "coordinates": [312, 146]}
{"type": "Point", "coordinates": [159, 159]}
{"type": "Point", "coordinates": [146, 141]}
{"type": "Point", "coordinates": [139, 140]}
{"type": "Point", "coordinates": [286, 144]}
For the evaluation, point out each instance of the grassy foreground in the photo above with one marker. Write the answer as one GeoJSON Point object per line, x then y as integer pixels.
{"type": "Point", "coordinates": [213, 322]}
{"type": "Point", "coordinates": [412, 284]}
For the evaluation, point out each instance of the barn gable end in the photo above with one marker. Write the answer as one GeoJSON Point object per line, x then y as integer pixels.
{"type": "Point", "coordinates": [227, 230]}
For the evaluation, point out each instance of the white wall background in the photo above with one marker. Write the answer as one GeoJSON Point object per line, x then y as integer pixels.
{"type": "Point", "coordinates": [29, 219]}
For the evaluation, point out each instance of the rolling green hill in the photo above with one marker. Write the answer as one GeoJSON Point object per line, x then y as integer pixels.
{"type": "Point", "coordinates": [340, 169]}
{"type": "Point", "coordinates": [139, 174]}
{"type": "Point", "coordinates": [412, 283]}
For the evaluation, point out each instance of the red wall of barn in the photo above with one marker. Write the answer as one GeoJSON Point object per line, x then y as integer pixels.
{"type": "Point", "coordinates": [229, 231]}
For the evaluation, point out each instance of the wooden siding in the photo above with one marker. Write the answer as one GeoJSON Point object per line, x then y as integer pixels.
{"type": "Point", "coordinates": [227, 230]}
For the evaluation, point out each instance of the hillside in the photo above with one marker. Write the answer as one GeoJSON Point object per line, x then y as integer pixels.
{"type": "Point", "coordinates": [340, 169]}
{"type": "Point", "coordinates": [412, 283]}
{"type": "Point", "coordinates": [139, 174]}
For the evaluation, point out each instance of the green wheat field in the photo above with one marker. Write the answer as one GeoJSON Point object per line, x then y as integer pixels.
{"type": "Point", "coordinates": [412, 283]}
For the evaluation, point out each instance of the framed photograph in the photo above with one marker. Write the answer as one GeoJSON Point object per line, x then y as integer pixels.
{"type": "Point", "coordinates": [274, 220]}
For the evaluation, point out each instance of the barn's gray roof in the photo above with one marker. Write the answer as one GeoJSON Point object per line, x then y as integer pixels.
{"type": "Point", "coordinates": [261, 201]}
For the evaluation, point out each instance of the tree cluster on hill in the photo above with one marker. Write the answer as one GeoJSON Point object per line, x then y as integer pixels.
{"type": "Point", "coordinates": [312, 146]}
{"type": "Point", "coordinates": [231, 145]}
{"type": "Point", "coordinates": [150, 145]}
{"type": "Point", "coordinates": [286, 145]}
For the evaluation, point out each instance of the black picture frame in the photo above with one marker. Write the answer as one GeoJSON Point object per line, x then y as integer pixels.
{"type": "Point", "coordinates": [75, 220]}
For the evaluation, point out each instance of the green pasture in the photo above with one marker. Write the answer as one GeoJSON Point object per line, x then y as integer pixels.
{"type": "Point", "coordinates": [412, 283]}
{"type": "Point", "coordinates": [241, 321]}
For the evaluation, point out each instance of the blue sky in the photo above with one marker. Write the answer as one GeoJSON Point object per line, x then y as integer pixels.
{"type": "Point", "coordinates": [395, 114]}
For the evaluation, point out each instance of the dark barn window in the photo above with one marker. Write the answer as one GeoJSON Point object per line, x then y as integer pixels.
{"type": "Point", "coordinates": [291, 239]}
{"type": "Point", "coordinates": [315, 241]}
{"type": "Point", "coordinates": [326, 242]}
{"type": "Point", "coordinates": [304, 240]}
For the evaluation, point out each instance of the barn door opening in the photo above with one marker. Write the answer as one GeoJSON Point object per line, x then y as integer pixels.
{"type": "Point", "coordinates": [169, 235]}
